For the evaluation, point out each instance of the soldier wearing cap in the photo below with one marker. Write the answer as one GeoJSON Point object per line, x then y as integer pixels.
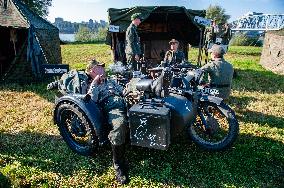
{"type": "Point", "coordinates": [174, 56]}
{"type": "Point", "coordinates": [132, 42]}
{"type": "Point", "coordinates": [108, 95]}
{"type": "Point", "coordinates": [220, 71]}
{"type": "Point", "coordinates": [76, 81]}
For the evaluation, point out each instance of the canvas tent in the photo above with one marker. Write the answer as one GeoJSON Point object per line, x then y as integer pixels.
{"type": "Point", "coordinates": [160, 24]}
{"type": "Point", "coordinates": [27, 42]}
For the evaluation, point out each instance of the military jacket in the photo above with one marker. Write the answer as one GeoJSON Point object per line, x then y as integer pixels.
{"type": "Point", "coordinates": [174, 57]}
{"type": "Point", "coordinates": [100, 92]}
{"type": "Point", "coordinates": [132, 42]}
{"type": "Point", "coordinates": [208, 34]}
{"type": "Point", "coordinates": [220, 75]}
{"type": "Point", "coordinates": [226, 35]}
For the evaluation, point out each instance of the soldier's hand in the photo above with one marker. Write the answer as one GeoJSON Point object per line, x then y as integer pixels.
{"type": "Point", "coordinates": [136, 57]}
{"type": "Point", "coordinates": [98, 79]}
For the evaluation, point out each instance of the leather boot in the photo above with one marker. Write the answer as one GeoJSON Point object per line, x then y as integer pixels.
{"type": "Point", "coordinates": [119, 163]}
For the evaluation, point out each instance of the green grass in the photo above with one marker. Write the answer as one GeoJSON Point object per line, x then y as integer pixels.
{"type": "Point", "coordinates": [33, 154]}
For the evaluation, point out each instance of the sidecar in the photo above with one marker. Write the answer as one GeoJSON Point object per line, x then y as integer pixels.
{"type": "Point", "coordinates": [80, 123]}
{"type": "Point", "coordinates": [152, 123]}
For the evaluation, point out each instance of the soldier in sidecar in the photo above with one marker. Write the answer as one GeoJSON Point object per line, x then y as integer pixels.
{"type": "Point", "coordinates": [109, 112]}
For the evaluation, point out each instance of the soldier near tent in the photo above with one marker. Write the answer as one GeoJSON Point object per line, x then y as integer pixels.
{"type": "Point", "coordinates": [210, 35]}
{"type": "Point", "coordinates": [174, 55]}
{"type": "Point", "coordinates": [132, 42]}
{"type": "Point", "coordinates": [226, 35]}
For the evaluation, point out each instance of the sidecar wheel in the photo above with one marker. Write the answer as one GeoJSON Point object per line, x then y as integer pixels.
{"type": "Point", "coordinates": [74, 126]}
{"type": "Point", "coordinates": [215, 128]}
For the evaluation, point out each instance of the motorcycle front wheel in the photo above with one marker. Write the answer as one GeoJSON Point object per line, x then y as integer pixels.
{"type": "Point", "coordinates": [215, 127]}
{"type": "Point", "coordinates": [76, 130]}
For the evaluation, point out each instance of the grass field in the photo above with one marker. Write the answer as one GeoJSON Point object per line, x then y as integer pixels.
{"type": "Point", "coordinates": [33, 154]}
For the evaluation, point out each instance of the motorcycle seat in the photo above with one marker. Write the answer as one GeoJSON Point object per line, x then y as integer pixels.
{"type": "Point", "coordinates": [144, 85]}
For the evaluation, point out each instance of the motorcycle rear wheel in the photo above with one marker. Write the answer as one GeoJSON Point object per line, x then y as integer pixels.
{"type": "Point", "coordinates": [76, 130]}
{"type": "Point", "coordinates": [215, 128]}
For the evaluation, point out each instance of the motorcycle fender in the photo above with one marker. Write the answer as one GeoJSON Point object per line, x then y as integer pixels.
{"type": "Point", "coordinates": [89, 107]}
{"type": "Point", "coordinates": [213, 99]}
{"type": "Point", "coordinates": [182, 113]}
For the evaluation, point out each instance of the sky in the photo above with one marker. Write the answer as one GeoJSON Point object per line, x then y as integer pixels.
{"type": "Point", "coordinates": [83, 10]}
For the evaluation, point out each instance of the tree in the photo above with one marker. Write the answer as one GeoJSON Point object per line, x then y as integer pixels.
{"type": "Point", "coordinates": [84, 34]}
{"type": "Point", "coordinates": [40, 7]}
{"type": "Point", "coordinates": [218, 13]}
{"type": "Point", "coordinates": [101, 34]}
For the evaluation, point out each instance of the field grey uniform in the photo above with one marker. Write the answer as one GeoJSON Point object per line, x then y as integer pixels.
{"type": "Point", "coordinates": [132, 45]}
{"type": "Point", "coordinates": [72, 82]}
{"type": "Point", "coordinates": [108, 96]}
{"type": "Point", "coordinates": [209, 37]}
{"type": "Point", "coordinates": [172, 57]}
{"type": "Point", "coordinates": [220, 76]}
{"type": "Point", "coordinates": [226, 35]}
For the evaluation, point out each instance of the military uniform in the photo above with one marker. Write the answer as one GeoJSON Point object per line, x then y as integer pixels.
{"type": "Point", "coordinates": [72, 82]}
{"type": "Point", "coordinates": [132, 45]}
{"type": "Point", "coordinates": [172, 57]}
{"type": "Point", "coordinates": [220, 76]}
{"type": "Point", "coordinates": [108, 96]}
{"type": "Point", "coordinates": [209, 36]}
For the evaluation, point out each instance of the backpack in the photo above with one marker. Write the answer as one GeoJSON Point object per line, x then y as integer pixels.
{"type": "Point", "coordinates": [73, 82]}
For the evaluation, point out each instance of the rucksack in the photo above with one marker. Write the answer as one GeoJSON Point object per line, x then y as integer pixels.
{"type": "Point", "coordinates": [73, 82]}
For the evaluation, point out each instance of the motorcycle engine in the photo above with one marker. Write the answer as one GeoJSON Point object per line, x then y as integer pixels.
{"type": "Point", "coordinates": [131, 94]}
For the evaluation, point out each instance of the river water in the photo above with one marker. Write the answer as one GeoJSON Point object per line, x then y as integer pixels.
{"type": "Point", "coordinates": [67, 37]}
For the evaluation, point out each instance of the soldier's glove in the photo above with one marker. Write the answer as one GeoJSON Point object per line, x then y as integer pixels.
{"type": "Point", "coordinates": [52, 85]}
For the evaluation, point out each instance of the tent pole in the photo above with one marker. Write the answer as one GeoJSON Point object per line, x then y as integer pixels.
{"type": "Point", "coordinates": [113, 46]}
{"type": "Point", "coordinates": [199, 48]}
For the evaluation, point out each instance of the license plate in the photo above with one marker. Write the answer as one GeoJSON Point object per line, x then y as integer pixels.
{"type": "Point", "coordinates": [209, 91]}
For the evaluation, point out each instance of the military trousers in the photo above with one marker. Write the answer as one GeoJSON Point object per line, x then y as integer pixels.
{"type": "Point", "coordinates": [132, 63]}
{"type": "Point", "coordinates": [114, 110]}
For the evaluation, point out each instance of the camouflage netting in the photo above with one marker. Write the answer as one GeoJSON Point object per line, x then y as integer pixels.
{"type": "Point", "coordinates": [272, 57]}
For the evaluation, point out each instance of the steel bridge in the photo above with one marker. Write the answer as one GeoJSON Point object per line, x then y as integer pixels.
{"type": "Point", "coordinates": [259, 22]}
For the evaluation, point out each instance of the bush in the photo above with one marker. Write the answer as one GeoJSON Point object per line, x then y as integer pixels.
{"type": "Point", "coordinates": [84, 34]}
{"type": "Point", "coordinates": [241, 39]}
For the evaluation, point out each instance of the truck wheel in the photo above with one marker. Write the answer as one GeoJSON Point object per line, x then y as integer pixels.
{"type": "Point", "coordinates": [75, 128]}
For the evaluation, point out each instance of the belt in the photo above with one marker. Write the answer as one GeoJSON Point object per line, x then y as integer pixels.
{"type": "Point", "coordinates": [219, 85]}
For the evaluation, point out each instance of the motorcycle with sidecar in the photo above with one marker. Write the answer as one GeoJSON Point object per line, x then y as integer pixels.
{"type": "Point", "coordinates": [173, 104]}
